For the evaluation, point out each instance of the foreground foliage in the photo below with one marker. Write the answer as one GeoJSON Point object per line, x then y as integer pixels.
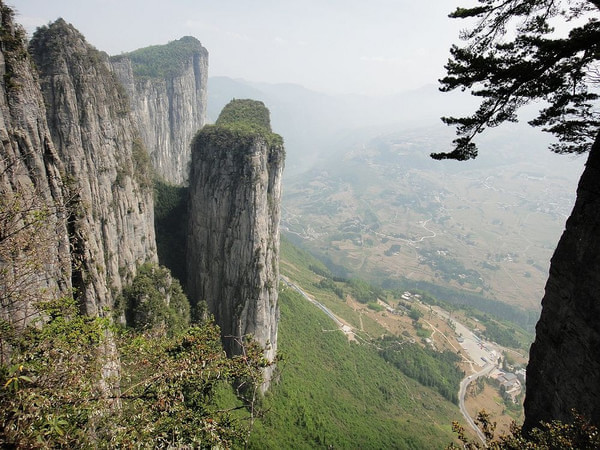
{"type": "Point", "coordinates": [578, 434]}
{"type": "Point", "coordinates": [75, 381]}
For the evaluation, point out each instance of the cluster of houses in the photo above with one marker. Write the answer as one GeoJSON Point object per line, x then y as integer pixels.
{"type": "Point", "coordinates": [402, 307]}
{"type": "Point", "coordinates": [511, 384]}
{"type": "Point", "coordinates": [409, 296]}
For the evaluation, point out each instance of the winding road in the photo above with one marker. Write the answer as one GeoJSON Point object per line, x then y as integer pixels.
{"type": "Point", "coordinates": [461, 397]}
{"type": "Point", "coordinates": [341, 325]}
{"type": "Point", "coordinates": [479, 352]}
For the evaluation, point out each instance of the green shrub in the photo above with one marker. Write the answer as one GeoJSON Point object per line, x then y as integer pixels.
{"type": "Point", "coordinates": [415, 313]}
{"type": "Point", "coordinates": [375, 306]}
{"type": "Point", "coordinates": [154, 299]}
{"type": "Point", "coordinates": [142, 167]}
{"type": "Point", "coordinates": [363, 291]}
{"type": "Point", "coordinates": [437, 370]}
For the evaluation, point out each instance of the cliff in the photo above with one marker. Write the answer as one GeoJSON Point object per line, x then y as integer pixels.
{"type": "Point", "coordinates": [233, 235]}
{"type": "Point", "coordinates": [34, 246]}
{"type": "Point", "coordinates": [167, 88]}
{"type": "Point", "coordinates": [76, 214]}
{"type": "Point", "coordinates": [564, 365]}
{"type": "Point", "coordinates": [109, 178]}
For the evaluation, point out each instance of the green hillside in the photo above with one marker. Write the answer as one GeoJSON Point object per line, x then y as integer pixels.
{"type": "Point", "coordinates": [334, 393]}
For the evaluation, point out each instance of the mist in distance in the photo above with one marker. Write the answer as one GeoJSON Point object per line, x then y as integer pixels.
{"type": "Point", "coordinates": [340, 46]}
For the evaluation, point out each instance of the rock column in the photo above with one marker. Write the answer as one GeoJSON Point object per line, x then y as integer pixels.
{"type": "Point", "coordinates": [233, 239]}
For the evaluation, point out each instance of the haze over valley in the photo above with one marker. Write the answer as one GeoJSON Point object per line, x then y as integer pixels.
{"type": "Point", "coordinates": [362, 192]}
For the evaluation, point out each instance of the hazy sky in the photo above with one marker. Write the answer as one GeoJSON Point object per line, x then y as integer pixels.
{"type": "Point", "coordinates": [337, 46]}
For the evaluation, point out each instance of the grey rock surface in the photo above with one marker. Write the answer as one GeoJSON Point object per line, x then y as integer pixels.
{"type": "Point", "coordinates": [564, 366]}
{"type": "Point", "coordinates": [233, 239]}
{"type": "Point", "coordinates": [168, 108]}
{"type": "Point", "coordinates": [34, 247]}
{"type": "Point", "coordinates": [110, 221]}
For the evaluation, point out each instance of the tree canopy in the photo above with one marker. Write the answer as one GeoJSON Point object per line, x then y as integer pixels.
{"type": "Point", "coordinates": [514, 55]}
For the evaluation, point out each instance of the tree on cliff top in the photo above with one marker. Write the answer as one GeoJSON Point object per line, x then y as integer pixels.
{"type": "Point", "coordinates": [513, 56]}
{"type": "Point", "coordinates": [163, 61]}
{"type": "Point", "coordinates": [239, 123]}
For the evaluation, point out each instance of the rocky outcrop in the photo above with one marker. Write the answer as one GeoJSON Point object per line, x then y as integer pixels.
{"type": "Point", "coordinates": [233, 238]}
{"type": "Point", "coordinates": [564, 366]}
{"type": "Point", "coordinates": [76, 185]}
{"type": "Point", "coordinates": [167, 88]}
{"type": "Point", "coordinates": [106, 167]}
{"type": "Point", "coordinates": [34, 247]}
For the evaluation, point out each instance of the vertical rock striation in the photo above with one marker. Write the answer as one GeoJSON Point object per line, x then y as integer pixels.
{"type": "Point", "coordinates": [106, 168]}
{"type": "Point", "coordinates": [167, 87]}
{"type": "Point", "coordinates": [564, 365]}
{"type": "Point", "coordinates": [233, 239]}
{"type": "Point", "coordinates": [34, 247]}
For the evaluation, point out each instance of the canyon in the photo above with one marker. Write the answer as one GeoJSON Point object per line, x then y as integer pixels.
{"type": "Point", "coordinates": [85, 137]}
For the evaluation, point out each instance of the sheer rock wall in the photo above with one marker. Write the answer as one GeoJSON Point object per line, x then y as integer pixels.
{"type": "Point", "coordinates": [110, 218]}
{"type": "Point", "coordinates": [168, 108]}
{"type": "Point", "coordinates": [34, 246]}
{"type": "Point", "coordinates": [564, 365]}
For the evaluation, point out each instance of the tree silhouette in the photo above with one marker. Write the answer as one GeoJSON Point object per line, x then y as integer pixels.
{"type": "Point", "coordinates": [514, 56]}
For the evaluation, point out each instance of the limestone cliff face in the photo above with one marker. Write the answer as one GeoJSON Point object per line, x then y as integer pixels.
{"type": "Point", "coordinates": [233, 239]}
{"type": "Point", "coordinates": [167, 88]}
{"type": "Point", "coordinates": [108, 175]}
{"type": "Point", "coordinates": [34, 247]}
{"type": "Point", "coordinates": [564, 366]}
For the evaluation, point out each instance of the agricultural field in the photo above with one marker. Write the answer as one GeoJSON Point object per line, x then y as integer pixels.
{"type": "Point", "coordinates": [386, 213]}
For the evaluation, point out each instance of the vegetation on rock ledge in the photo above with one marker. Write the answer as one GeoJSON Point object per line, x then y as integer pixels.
{"type": "Point", "coordinates": [155, 300]}
{"type": "Point", "coordinates": [239, 124]}
{"type": "Point", "coordinates": [162, 61]}
{"type": "Point", "coordinates": [59, 386]}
